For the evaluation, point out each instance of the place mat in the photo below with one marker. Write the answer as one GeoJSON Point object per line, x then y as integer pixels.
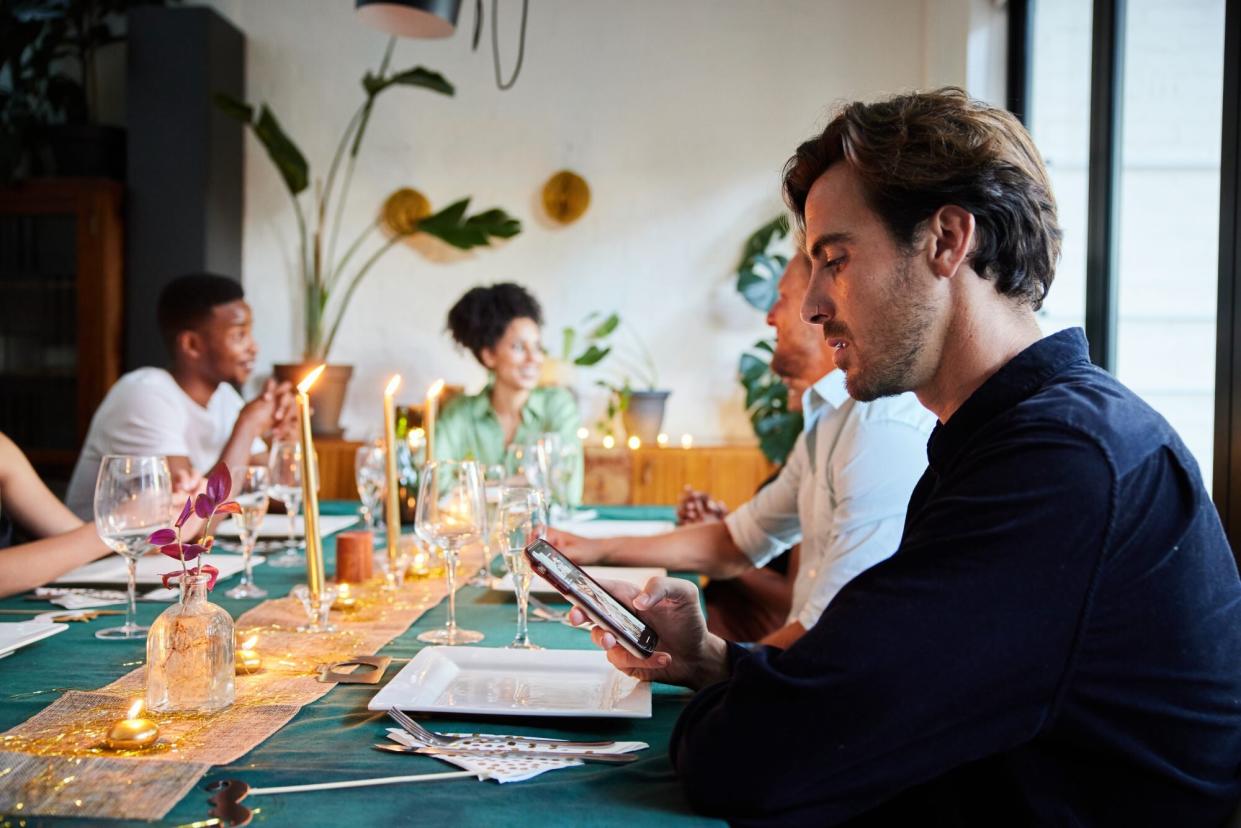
{"type": "Point", "coordinates": [55, 763]}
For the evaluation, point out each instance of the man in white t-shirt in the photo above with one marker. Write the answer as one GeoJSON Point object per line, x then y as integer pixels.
{"type": "Point", "coordinates": [842, 493]}
{"type": "Point", "coordinates": [192, 414]}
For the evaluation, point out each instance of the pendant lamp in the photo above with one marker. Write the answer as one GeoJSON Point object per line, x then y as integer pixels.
{"type": "Point", "coordinates": [410, 18]}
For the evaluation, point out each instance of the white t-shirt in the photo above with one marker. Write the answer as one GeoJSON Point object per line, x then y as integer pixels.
{"type": "Point", "coordinates": [842, 493]}
{"type": "Point", "coordinates": [146, 412]}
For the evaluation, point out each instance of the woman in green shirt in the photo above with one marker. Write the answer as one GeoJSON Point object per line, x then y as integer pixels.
{"type": "Point", "coordinates": [500, 325]}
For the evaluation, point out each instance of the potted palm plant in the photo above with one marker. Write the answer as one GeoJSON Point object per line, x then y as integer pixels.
{"type": "Point", "coordinates": [330, 275]}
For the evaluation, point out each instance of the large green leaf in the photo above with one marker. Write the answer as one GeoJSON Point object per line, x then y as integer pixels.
{"type": "Point", "coordinates": [289, 161]}
{"type": "Point", "coordinates": [417, 76]}
{"type": "Point", "coordinates": [282, 151]}
{"type": "Point", "coordinates": [592, 356]}
{"type": "Point", "coordinates": [751, 368]}
{"type": "Point", "coordinates": [761, 239]}
{"type": "Point", "coordinates": [605, 327]}
{"type": "Point", "coordinates": [452, 226]}
{"type": "Point", "coordinates": [767, 402]}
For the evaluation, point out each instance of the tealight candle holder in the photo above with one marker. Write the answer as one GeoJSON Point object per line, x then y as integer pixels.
{"type": "Point", "coordinates": [246, 659]}
{"type": "Point", "coordinates": [316, 607]}
{"type": "Point", "coordinates": [133, 732]}
{"type": "Point", "coordinates": [345, 601]}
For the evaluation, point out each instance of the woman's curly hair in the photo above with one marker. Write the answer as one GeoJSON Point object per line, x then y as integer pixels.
{"type": "Point", "coordinates": [480, 317]}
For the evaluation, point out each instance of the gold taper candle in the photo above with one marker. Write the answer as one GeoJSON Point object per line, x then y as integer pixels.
{"type": "Point", "coordinates": [392, 503]}
{"type": "Point", "coordinates": [428, 419]}
{"type": "Point", "coordinates": [310, 489]}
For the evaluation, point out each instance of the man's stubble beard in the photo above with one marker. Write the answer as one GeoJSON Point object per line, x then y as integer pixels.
{"type": "Point", "coordinates": [894, 351]}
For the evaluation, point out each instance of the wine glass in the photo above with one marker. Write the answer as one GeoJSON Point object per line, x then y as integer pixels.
{"type": "Point", "coordinates": [560, 460]}
{"type": "Point", "coordinates": [284, 465]}
{"type": "Point", "coordinates": [523, 518]}
{"type": "Point", "coordinates": [450, 515]}
{"type": "Point", "coordinates": [528, 463]}
{"type": "Point", "coordinates": [370, 472]}
{"type": "Point", "coordinates": [251, 494]}
{"type": "Point", "coordinates": [494, 477]}
{"type": "Point", "coordinates": [133, 498]}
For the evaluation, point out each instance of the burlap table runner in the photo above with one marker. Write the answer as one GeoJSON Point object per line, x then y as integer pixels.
{"type": "Point", "coordinates": [56, 763]}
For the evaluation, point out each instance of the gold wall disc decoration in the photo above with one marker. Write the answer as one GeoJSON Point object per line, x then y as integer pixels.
{"type": "Point", "coordinates": [403, 210]}
{"type": "Point", "coordinates": [566, 195]}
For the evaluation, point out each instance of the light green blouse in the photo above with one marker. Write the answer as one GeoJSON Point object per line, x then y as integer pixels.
{"type": "Point", "coordinates": [468, 428]}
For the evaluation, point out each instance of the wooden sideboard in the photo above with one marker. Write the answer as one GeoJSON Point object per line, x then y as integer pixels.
{"type": "Point", "coordinates": [613, 476]}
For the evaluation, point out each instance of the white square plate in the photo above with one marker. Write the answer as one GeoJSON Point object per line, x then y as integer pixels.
{"type": "Point", "coordinates": [616, 528]}
{"type": "Point", "coordinates": [500, 682]}
{"type": "Point", "coordinates": [21, 633]}
{"type": "Point", "coordinates": [636, 575]}
{"type": "Point", "coordinates": [277, 526]}
{"type": "Point", "coordinates": [114, 570]}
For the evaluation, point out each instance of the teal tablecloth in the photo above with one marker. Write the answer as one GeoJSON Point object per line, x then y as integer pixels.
{"type": "Point", "coordinates": [330, 740]}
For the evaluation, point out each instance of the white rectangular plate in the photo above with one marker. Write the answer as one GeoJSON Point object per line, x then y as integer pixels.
{"type": "Point", "coordinates": [500, 682]}
{"type": "Point", "coordinates": [277, 526]}
{"type": "Point", "coordinates": [16, 635]}
{"type": "Point", "coordinates": [616, 528]}
{"type": "Point", "coordinates": [636, 575]}
{"type": "Point", "coordinates": [113, 569]}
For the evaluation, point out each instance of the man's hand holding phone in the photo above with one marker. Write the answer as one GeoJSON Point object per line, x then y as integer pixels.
{"type": "Point", "coordinates": [688, 655]}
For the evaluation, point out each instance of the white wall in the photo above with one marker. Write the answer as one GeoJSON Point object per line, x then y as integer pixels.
{"type": "Point", "coordinates": [679, 115]}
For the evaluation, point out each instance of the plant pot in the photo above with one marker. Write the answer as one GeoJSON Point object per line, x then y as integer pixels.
{"type": "Point", "coordinates": [645, 414]}
{"type": "Point", "coordinates": [87, 150]}
{"type": "Point", "coordinates": [327, 397]}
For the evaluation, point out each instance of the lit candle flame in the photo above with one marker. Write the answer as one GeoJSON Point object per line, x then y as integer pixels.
{"type": "Point", "coordinates": [249, 643]}
{"type": "Point", "coordinates": [134, 709]}
{"type": "Point", "coordinates": [436, 389]}
{"type": "Point", "coordinates": [393, 384]}
{"type": "Point", "coordinates": [303, 387]}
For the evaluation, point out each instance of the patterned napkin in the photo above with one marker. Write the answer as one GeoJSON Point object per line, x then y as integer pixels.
{"type": "Point", "coordinates": [76, 599]}
{"type": "Point", "coordinates": [515, 768]}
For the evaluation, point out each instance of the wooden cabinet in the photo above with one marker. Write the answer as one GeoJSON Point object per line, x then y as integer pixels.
{"type": "Point", "coordinates": [658, 475]}
{"type": "Point", "coordinates": [60, 312]}
{"type": "Point", "coordinates": [613, 476]}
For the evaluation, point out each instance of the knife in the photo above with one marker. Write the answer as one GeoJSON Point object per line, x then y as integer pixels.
{"type": "Point", "coordinates": [510, 753]}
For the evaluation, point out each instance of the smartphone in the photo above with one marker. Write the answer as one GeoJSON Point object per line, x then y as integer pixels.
{"type": "Point", "coordinates": [585, 592]}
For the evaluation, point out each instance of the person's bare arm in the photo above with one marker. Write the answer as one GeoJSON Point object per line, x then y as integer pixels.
{"type": "Point", "coordinates": [706, 547]}
{"type": "Point", "coordinates": [30, 565]}
{"type": "Point", "coordinates": [24, 496]}
{"type": "Point", "coordinates": [257, 419]}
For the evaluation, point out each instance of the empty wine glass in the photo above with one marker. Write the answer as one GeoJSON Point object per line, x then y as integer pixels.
{"type": "Point", "coordinates": [450, 515]}
{"type": "Point", "coordinates": [493, 543]}
{"type": "Point", "coordinates": [369, 473]}
{"type": "Point", "coordinates": [523, 518]}
{"type": "Point", "coordinates": [528, 463]}
{"type": "Point", "coordinates": [284, 464]}
{"type": "Point", "coordinates": [251, 494]}
{"type": "Point", "coordinates": [560, 460]}
{"type": "Point", "coordinates": [133, 498]}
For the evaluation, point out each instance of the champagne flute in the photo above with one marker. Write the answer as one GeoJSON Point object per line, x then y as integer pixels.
{"type": "Point", "coordinates": [133, 498]}
{"type": "Point", "coordinates": [523, 518]}
{"type": "Point", "coordinates": [369, 473]}
{"type": "Point", "coordinates": [284, 464]}
{"type": "Point", "coordinates": [450, 515]}
{"type": "Point", "coordinates": [493, 544]}
{"type": "Point", "coordinates": [251, 494]}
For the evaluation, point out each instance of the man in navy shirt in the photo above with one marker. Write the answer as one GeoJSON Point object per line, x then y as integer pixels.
{"type": "Point", "coordinates": [1057, 640]}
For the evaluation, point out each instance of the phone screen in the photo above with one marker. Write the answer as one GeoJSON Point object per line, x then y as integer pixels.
{"type": "Point", "coordinates": [561, 570]}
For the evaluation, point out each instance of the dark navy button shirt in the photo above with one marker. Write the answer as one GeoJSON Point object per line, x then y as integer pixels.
{"type": "Point", "coordinates": [1057, 640]}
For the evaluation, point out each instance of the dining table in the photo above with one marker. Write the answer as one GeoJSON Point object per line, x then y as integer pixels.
{"type": "Point", "coordinates": [331, 739]}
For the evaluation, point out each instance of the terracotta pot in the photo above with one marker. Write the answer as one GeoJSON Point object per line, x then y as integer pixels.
{"type": "Point", "coordinates": [645, 414]}
{"type": "Point", "coordinates": [327, 397]}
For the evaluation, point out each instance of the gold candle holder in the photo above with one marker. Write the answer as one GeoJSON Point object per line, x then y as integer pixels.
{"type": "Point", "coordinates": [428, 419]}
{"type": "Point", "coordinates": [345, 601]}
{"type": "Point", "coordinates": [132, 732]}
{"type": "Point", "coordinates": [392, 503]}
{"type": "Point", "coordinates": [310, 489]}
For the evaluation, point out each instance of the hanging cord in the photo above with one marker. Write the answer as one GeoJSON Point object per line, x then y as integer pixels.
{"type": "Point", "coordinates": [495, 43]}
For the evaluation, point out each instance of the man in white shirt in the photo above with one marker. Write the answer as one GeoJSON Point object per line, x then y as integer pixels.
{"type": "Point", "coordinates": [193, 413]}
{"type": "Point", "coordinates": [842, 493]}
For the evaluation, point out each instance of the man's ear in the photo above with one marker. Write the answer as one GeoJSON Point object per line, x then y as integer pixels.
{"type": "Point", "coordinates": [190, 344]}
{"type": "Point", "coordinates": [950, 236]}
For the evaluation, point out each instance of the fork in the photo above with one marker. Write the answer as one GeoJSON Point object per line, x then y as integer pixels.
{"type": "Point", "coordinates": [448, 740]}
{"type": "Point", "coordinates": [545, 613]}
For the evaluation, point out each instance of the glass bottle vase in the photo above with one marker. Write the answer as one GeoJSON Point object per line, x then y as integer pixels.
{"type": "Point", "coordinates": [190, 654]}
